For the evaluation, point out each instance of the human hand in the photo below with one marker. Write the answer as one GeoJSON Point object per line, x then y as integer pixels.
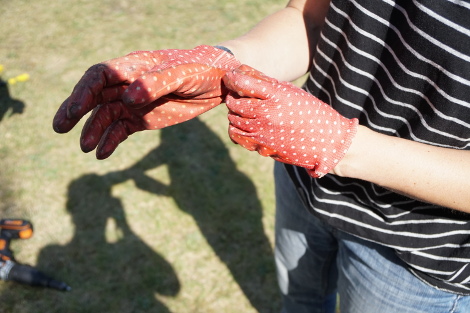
{"type": "Point", "coordinates": [284, 122]}
{"type": "Point", "coordinates": [143, 90]}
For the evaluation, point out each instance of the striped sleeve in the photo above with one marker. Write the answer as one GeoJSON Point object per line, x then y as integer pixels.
{"type": "Point", "coordinates": [403, 69]}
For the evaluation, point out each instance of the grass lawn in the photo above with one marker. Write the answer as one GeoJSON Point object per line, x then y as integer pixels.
{"type": "Point", "coordinates": [177, 220]}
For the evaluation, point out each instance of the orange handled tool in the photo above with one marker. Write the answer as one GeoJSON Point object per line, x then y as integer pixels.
{"type": "Point", "coordinates": [12, 229]}
{"type": "Point", "coordinates": [16, 228]}
{"type": "Point", "coordinates": [10, 269]}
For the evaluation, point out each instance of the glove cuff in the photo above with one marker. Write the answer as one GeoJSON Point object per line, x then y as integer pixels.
{"type": "Point", "coordinates": [216, 57]}
{"type": "Point", "coordinates": [328, 161]}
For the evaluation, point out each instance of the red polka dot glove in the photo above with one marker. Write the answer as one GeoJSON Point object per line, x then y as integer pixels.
{"type": "Point", "coordinates": [282, 121]}
{"type": "Point", "coordinates": [143, 90]}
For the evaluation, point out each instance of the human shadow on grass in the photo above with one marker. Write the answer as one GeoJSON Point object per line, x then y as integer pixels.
{"type": "Point", "coordinates": [7, 103]}
{"type": "Point", "coordinates": [119, 276]}
{"type": "Point", "coordinates": [124, 276]}
{"type": "Point", "coordinates": [223, 201]}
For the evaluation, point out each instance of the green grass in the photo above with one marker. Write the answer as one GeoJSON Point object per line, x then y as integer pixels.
{"type": "Point", "coordinates": [177, 220]}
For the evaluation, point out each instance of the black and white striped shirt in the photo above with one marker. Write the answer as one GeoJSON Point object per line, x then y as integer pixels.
{"type": "Point", "coordinates": [403, 69]}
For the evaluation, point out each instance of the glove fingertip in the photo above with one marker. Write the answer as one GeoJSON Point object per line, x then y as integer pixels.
{"type": "Point", "coordinates": [61, 124]}
{"type": "Point", "coordinates": [105, 151]}
{"type": "Point", "coordinates": [103, 156]}
{"type": "Point", "coordinates": [87, 144]}
{"type": "Point", "coordinates": [85, 149]}
{"type": "Point", "coordinates": [57, 125]}
{"type": "Point", "coordinates": [230, 80]}
{"type": "Point", "coordinates": [239, 83]}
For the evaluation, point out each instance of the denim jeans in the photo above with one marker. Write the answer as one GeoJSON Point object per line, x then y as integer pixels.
{"type": "Point", "coordinates": [315, 262]}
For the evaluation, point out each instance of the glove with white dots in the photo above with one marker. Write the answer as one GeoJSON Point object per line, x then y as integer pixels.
{"type": "Point", "coordinates": [284, 122]}
{"type": "Point", "coordinates": [144, 90]}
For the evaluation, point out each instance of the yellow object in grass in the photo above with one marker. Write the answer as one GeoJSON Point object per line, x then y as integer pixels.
{"type": "Point", "coordinates": [20, 78]}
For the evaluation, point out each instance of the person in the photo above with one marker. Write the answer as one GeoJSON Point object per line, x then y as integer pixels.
{"type": "Point", "coordinates": [372, 189]}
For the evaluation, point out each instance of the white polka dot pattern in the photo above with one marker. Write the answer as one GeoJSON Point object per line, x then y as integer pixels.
{"type": "Point", "coordinates": [178, 72]}
{"type": "Point", "coordinates": [144, 90]}
{"type": "Point", "coordinates": [284, 122]}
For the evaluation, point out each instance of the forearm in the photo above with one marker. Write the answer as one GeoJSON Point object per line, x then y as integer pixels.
{"type": "Point", "coordinates": [281, 45]}
{"type": "Point", "coordinates": [427, 173]}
